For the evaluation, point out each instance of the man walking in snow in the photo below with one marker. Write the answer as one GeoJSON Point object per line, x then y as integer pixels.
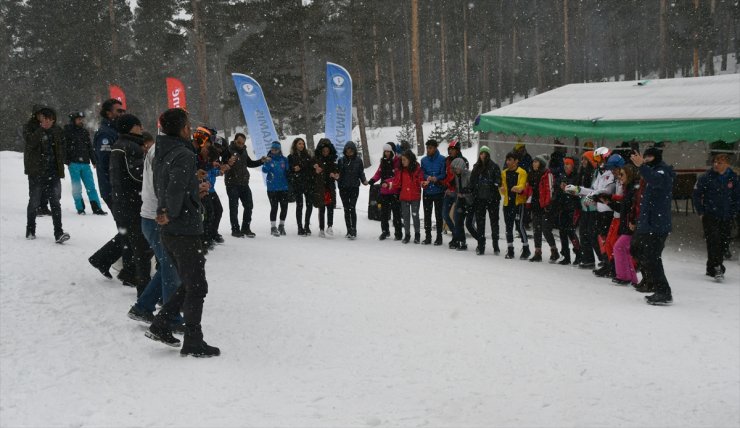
{"type": "Point", "coordinates": [180, 214]}
{"type": "Point", "coordinates": [80, 154]}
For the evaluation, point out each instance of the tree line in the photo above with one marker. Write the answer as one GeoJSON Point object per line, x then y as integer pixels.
{"type": "Point", "coordinates": [450, 58]}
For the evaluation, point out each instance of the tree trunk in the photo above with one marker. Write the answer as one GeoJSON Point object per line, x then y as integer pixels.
{"type": "Point", "coordinates": [307, 124]}
{"type": "Point", "coordinates": [444, 106]}
{"type": "Point", "coordinates": [113, 39]}
{"type": "Point", "coordinates": [415, 83]}
{"type": "Point", "coordinates": [200, 61]}
{"type": "Point", "coordinates": [662, 24]}
{"type": "Point", "coordinates": [514, 64]}
{"type": "Point", "coordinates": [359, 87]}
{"type": "Point", "coordinates": [712, 39]}
{"type": "Point", "coordinates": [395, 115]}
{"type": "Point", "coordinates": [566, 44]}
{"type": "Point", "coordinates": [695, 39]}
{"type": "Point", "coordinates": [466, 84]}
{"type": "Point", "coordinates": [500, 70]}
{"type": "Point", "coordinates": [486, 80]}
{"type": "Point", "coordinates": [538, 52]}
{"type": "Point", "coordinates": [380, 115]}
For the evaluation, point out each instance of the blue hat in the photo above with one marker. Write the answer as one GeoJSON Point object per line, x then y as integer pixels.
{"type": "Point", "coordinates": [614, 161]}
{"type": "Point", "coordinates": [276, 145]}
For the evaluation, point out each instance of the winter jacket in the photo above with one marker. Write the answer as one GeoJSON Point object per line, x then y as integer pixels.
{"type": "Point", "coordinates": [655, 208]}
{"type": "Point", "coordinates": [213, 173]}
{"type": "Point", "coordinates": [485, 180]}
{"type": "Point", "coordinates": [176, 184]}
{"type": "Point", "coordinates": [542, 190]}
{"type": "Point", "coordinates": [385, 173]}
{"type": "Point", "coordinates": [602, 184]}
{"type": "Point", "coordinates": [563, 201]}
{"type": "Point", "coordinates": [717, 195]}
{"type": "Point", "coordinates": [351, 168]}
{"type": "Point", "coordinates": [464, 189]}
{"type": "Point", "coordinates": [78, 145]}
{"type": "Point", "coordinates": [238, 174]}
{"type": "Point", "coordinates": [514, 179]}
{"type": "Point", "coordinates": [325, 193]}
{"type": "Point", "coordinates": [277, 173]}
{"type": "Point", "coordinates": [103, 140]}
{"type": "Point", "coordinates": [126, 176]}
{"type": "Point", "coordinates": [624, 205]}
{"type": "Point", "coordinates": [409, 184]}
{"type": "Point", "coordinates": [450, 178]}
{"type": "Point", "coordinates": [434, 166]}
{"type": "Point", "coordinates": [301, 181]}
{"type": "Point", "coordinates": [43, 154]}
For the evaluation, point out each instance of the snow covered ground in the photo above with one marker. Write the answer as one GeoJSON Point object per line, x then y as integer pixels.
{"type": "Point", "coordinates": [328, 332]}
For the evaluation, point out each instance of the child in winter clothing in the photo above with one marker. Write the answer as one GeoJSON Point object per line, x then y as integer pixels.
{"type": "Point", "coordinates": [453, 152]}
{"type": "Point", "coordinates": [389, 203]}
{"type": "Point", "coordinates": [351, 175]}
{"type": "Point", "coordinates": [624, 204]}
{"type": "Point", "coordinates": [587, 220]}
{"type": "Point", "coordinates": [567, 207]}
{"type": "Point", "coordinates": [276, 169]}
{"type": "Point", "coordinates": [513, 185]}
{"type": "Point", "coordinates": [541, 190]}
{"type": "Point", "coordinates": [409, 181]}
{"type": "Point", "coordinates": [301, 178]}
{"type": "Point", "coordinates": [325, 175]}
{"type": "Point", "coordinates": [485, 179]}
{"type": "Point", "coordinates": [463, 205]}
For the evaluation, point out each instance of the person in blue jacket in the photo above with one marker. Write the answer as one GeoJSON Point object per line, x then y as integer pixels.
{"type": "Point", "coordinates": [654, 222]}
{"type": "Point", "coordinates": [717, 201]}
{"type": "Point", "coordinates": [435, 169]}
{"type": "Point", "coordinates": [276, 167]}
{"type": "Point", "coordinates": [104, 138]}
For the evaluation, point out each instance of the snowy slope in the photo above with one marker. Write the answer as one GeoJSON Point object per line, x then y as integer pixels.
{"type": "Point", "coordinates": [365, 333]}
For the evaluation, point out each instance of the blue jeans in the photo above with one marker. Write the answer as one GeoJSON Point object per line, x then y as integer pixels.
{"type": "Point", "coordinates": [81, 173]}
{"type": "Point", "coordinates": [446, 206]}
{"type": "Point", "coordinates": [165, 282]}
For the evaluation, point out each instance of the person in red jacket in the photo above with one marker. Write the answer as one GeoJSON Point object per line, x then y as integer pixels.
{"type": "Point", "coordinates": [409, 180]}
{"type": "Point", "coordinates": [541, 188]}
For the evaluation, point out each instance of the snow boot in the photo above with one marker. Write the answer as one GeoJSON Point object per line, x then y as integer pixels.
{"type": "Point", "coordinates": [554, 255]}
{"type": "Point", "coordinates": [537, 255]}
{"type": "Point", "coordinates": [644, 287]}
{"type": "Point", "coordinates": [586, 265]}
{"type": "Point", "coordinates": [438, 240]}
{"type": "Point", "coordinates": [510, 253]}
{"type": "Point", "coordinates": [453, 244]}
{"type": "Point", "coordinates": [142, 316]}
{"type": "Point", "coordinates": [30, 233]}
{"type": "Point", "coordinates": [81, 211]}
{"type": "Point", "coordinates": [384, 235]}
{"type": "Point", "coordinates": [330, 231]}
{"type": "Point", "coordinates": [218, 239]}
{"type": "Point", "coordinates": [417, 238]}
{"type": "Point", "coordinates": [247, 231]}
{"type": "Point", "coordinates": [105, 271]}
{"type": "Point", "coordinates": [194, 345]}
{"type": "Point", "coordinates": [96, 209]}
{"type": "Point", "coordinates": [427, 239]}
{"type": "Point", "coordinates": [462, 246]}
{"type": "Point", "coordinates": [481, 248]}
{"type": "Point", "coordinates": [566, 259]}
{"type": "Point", "coordinates": [406, 239]}
{"type": "Point", "coordinates": [237, 234]}
{"type": "Point", "coordinates": [281, 229]}
{"type": "Point", "coordinates": [578, 259]}
{"type": "Point", "coordinates": [307, 230]}
{"type": "Point", "coordinates": [301, 232]}
{"type": "Point", "coordinates": [604, 271]}
{"type": "Point", "coordinates": [496, 249]}
{"type": "Point", "coordinates": [618, 281]}
{"type": "Point", "coordinates": [61, 237]}
{"type": "Point", "coordinates": [160, 332]}
{"type": "Point", "coordinates": [659, 299]}
{"type": "Point", "coordinates": [719, 273]}
{"type": "Point", "coordinates": [526, 253]}
{"type": "Point", "coordinates": [274, 231]}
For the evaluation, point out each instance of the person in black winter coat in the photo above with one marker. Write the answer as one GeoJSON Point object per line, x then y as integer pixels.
{"type": "Point", "coordinates": [326, 173]}
{"type": "Point", "coordinates": [43, 162]}
{"type": "Point", "coordinates": [126, 177]}
{"type": "Point", "coordinates": [566, 207]}
{"type": "Point", "coordinates": [654, 223]}
{"type": "Point", "coordinates": [485, 180]}
{"type": "Point", "coordinates": [351, 175]}
{"type": "Point", "coordinates": [180, 215]}
{"type": "Point", "coordinates": [388, 197]}
{"type": "Point", "coordinates": [80, 154]}
{"type": "Point", "coordinates": [237, 186]}
{"type": "Point", "coordinates": [302, 183]}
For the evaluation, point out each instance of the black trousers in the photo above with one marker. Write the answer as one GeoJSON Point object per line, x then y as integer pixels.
{"type": "Point", "coordinates": [567, 229]}
{"type": "Point", "coordinates": [433, 202]}
{"type": "Point", "coordinates": [141, 254]}
{"type": "Point", "coordinates": [349, 197]}
{"type": "Point", "coordinates": [390, 204]}
{"type": "Point", "coordinates": [329, 211]}
{"type": "Point", "coordinates": [603, 223]}
{"type": "Point", "coordinates": [214, 210]}
{"type": "Point", "coordinates": [717, 234]}
{"type": "Point", "coordinates": [587, 229]}
{"type": "Point", "coordinates": [236, 194]}
{"type": "Point", "coordinates": [481, 207]}
{"type": "Point", "coordinates": [40, 191]}
{"type": "Point", "coordinates": [542, 224]}
{"type": "Point", "coordinates": [187, 256]}
{"type": "Point", "coordinates": [648, 249]}
{"type": "Point", "coordinates": [278, 199]}
{"type": "Point", "coordinates": [514, 217]}
{"type": "Point", "coordinates": [299, 198]}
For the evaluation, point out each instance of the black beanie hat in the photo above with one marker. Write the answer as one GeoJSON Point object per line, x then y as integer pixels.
{"type": "Point", "coordinates": [656, 153]}
{"type": "Point", "coordinates": [125, 122]}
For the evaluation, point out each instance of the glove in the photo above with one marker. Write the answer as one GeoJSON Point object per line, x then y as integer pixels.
{"type": "Point", "coordinates": [573, 190]}
{"type": "Point", "coordinates": [371, 182]}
